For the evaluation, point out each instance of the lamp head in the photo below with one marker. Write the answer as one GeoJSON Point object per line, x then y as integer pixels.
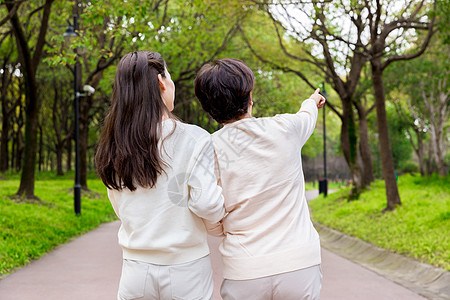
{"type": "Point", "coordinates": [70, 32]}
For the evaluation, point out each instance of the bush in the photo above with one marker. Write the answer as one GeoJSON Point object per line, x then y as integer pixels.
{"type": "Point", "coordinates": [409, 167]}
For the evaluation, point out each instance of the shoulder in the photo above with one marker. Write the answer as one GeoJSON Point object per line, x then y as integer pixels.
{"type": "Point", "coordinates": [284, 117]}
{"type": "Point", "coordinates": [195, 132]}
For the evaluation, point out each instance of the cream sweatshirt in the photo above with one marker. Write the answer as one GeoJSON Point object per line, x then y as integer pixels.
{"type": "Point", "coordinates": [164, 225]}
{"type": "Point", "coordinates": [268, 229]}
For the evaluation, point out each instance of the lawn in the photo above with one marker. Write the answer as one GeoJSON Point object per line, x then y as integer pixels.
{"type": "Point", "coordinates": [419, 228]}
{"type": "Point", "coordinates": [332, 185]}
{"type": "Point", "coordinates": [29, 230]}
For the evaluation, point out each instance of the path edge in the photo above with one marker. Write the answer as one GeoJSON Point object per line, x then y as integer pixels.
{"type": "Point", "coordinates": [426, 280]}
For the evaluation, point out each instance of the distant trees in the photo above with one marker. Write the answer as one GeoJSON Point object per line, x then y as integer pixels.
{"type": "Point", "coordinates": [283, 42]}
{"type": "Point", "coordinates": [338, 47]}
{"type": "Point", "coordinates": [422, 99]}
{"type": "Point", "coordinates": [188, 34]}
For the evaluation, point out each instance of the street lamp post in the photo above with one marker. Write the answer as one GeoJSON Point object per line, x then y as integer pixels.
{"type": "Point", "coordinates": [323, 184]}
{"type": "Point", "coordinates": [71, 31]}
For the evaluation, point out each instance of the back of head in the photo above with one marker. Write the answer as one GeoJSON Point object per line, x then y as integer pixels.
{"type": "Point", "coordinates": [128, 153]}
{"type": "Point", "coordinates": [223, 88]}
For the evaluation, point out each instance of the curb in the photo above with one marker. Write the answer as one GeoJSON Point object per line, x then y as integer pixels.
{"type": "Point", "coordinates": [426, 280]}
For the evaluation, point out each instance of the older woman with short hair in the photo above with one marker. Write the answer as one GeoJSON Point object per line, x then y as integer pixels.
{"type": "Point", "coordinates": [271, 249]}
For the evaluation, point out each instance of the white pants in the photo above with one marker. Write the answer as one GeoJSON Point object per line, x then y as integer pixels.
{"type": "Point", "coordinates": [304, 284]}
{"type": "Point", "coordinates": [188, 281]}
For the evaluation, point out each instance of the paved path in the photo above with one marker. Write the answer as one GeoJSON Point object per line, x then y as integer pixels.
{"type": "Point", "coordinates": [89, 267]}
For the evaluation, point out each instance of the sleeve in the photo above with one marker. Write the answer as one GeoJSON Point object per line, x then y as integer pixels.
{"type": "Point", "coordinates": [217, 169]}
{"type": "Point", "coordinates": [215, 229]}
{"type": "Point", "coordinates": [304, 121]}
{"type": "Point", "coordinates": [205, 195]}
{"type": "Point", "coordinates": [112, 199]}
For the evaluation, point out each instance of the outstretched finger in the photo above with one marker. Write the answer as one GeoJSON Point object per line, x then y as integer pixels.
{"type": "Point", "coordinates": [317, 91]}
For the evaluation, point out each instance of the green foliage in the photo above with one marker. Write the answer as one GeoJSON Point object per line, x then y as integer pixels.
{"type": "Point", "coordinates": [419, 228]}
{"type": "Point", "coordinates": [409, 167]}
{"type": "Point", "coordinates": [418, 88]}
{"type": "Point", "coordinates": [29, 230]}
{"type": "Point", "coordinates": [443, 20]}
{"type": "Point", "coordinates": [401, 148]}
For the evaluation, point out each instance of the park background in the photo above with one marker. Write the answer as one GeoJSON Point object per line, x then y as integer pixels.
{"type": "Point", "coordinates": [383, 64]}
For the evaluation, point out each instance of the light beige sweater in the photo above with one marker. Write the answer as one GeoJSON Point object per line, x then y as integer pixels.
{"type": "Point", "coordinates": [268, 229]}
{"type": "Point", "coordinates": [163, 225]}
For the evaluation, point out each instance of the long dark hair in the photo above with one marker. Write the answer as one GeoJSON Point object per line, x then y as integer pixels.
{"type": "Point", "coordinates": [127, 153]}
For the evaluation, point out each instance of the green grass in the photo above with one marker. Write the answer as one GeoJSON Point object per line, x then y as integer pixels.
{"type": "Point", "coordinates": [419, 228]}
{"type": "Point", "coordinates": [309, 186]}
{"type": "Point", "coordinates": [29, 230]}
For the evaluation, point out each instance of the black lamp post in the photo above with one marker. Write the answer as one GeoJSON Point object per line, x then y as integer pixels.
{"type": "Point", "coordinates": [323, 183]}
{"type": "Point", "coordinates": [71, 31]}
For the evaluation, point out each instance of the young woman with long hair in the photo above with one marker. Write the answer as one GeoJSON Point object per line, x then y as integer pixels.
{"type": "Point", "coordinates": [160, 178]}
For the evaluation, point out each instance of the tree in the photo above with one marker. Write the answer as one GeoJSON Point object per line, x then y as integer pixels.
{"type": "Point", "coordinates": [30, 54]}
{"type": "Point", "coordinates": [8, 103]}
{"type": "Point", "coordinates": [299, 39]}
{"type": "Point", "coordinates": [438, 119]}
{"type": "Point", "coordinates": [187, 34]}
{"type": "Point", "coordinates": [106, 28]}
{"type": "Point", "coordinates": [409, 114]}
{"type": "Point", "coordinates": [364, 106]}
{"type": "Point", "coordinates": [196, 35]}
{"type": "Point", "coordinates": [425, 86]}
{"type": "Point", "coordinates": [56, 123]}
{"type": "Point", "coordinates": [382, 48]}
{"type": "Point", "coordinates": [367, 31]}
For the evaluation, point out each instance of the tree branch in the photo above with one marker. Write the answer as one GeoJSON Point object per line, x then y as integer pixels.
{"type": "Point", "coordinates": [11, 12]}
{"type": "Point", "coordinates": [41, 38]}
{"type": "Point", "coordinates": [422, 49]}
{"type": "Point", "coordinates": [276, 66]}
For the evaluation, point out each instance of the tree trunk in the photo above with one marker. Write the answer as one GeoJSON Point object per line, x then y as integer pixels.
{"type": "Point", "coordinates": [84, 139]}
{"type": "Point", "coordinates": [387, 161]}
{"type": "Point", "coordinates": [4, 154]}
{"type": "Point", "coordinates": [419, 150]}
{"type": "Point", "coordinates": [50, 160]}
{"type": "Point", "coordinates": [16, 159]}
{"type": "Point", "coordinates": [41, 146]}
{"type": "Point", "coordinates": [420, 153]}
{"type": "Point", "coordinates": [438, 109]}
{"type": "Point", "coordinates": [26, 187]}
{"type": "Point", "coordinates": [19, 149]}
{"type": "Point", "coordinates": [436, 141]}
{"type": "Point", "coordinates": [349, 148]}
{"type": "Point", "coordinates": [366, 157]}
{"type": "Point", "coordinates": [69, 155]}
{"type": "Point", "coordinates": [29, 67]}
{"type": "Point", "coordinates": [59, 157]}
{"type": "Point", "coordinates": [13, 152]}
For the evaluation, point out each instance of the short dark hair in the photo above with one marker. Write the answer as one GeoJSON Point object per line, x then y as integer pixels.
{"type": "Point", "coordinates": [223, 88]}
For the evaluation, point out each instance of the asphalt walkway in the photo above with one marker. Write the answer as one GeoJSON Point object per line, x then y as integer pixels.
{"type": "Point", "coordinates": [89, 267]}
